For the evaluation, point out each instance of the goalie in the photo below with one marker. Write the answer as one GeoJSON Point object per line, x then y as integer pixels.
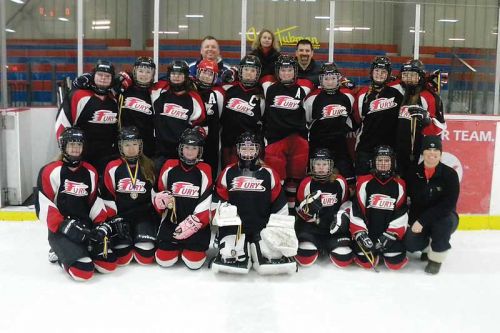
{"type": "Point", "coordinates": [323, 213]}
{"type": "Point", "coordinates": [252, 216]}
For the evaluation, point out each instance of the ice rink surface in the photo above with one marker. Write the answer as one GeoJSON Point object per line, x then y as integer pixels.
{"type": "Point", "coordinates": [37, 296]}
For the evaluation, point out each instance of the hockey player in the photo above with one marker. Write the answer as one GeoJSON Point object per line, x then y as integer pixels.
{"type": "Point", "coordinates": [379, 214]}
{"type": "Point", "coordinates": [285, 125]}
{"type": "Point", "coordinates": [329, 115]}
{"type": "Point", "coordinates": [421, 114]}
{"type": "Point", "coordinates": [259, 222]}
{"type": "Point", "coordinates": [184, 202]}
{"type": "Point", "coordinates": [243, 107]}
{"type": "Point", "coordinates": [68, 202]}
{"type": "Point", "coordinates": [95, 111]}
{"type": "Point", "coordinates": [135, 106]}
{"type": "Point", "coordinates": [127, 192]}
{"type": "Point", "coordinates": [376, 112]}
{"type": "Point", "coordinates": [323, 213]}
{"type": "Point", "coordinates": [176, 107]}
{"type": "Point", "coordinates": [433, 189]}
{"type": "Point", "coordinates": [213, 97]}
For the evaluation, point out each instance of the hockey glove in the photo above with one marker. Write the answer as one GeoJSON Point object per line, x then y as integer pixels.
{"type": "Point", "coordinates": [100, 232]}
{"type": "Point", "coordinates": [310, 207]}
{"type": "Point", "coordinates": [419, 113]}
{"type": "Point", "coordinates": [120, 227]}
{"type": "Point", "coordinates": [164, 200]}
{"type": "Point", "coordinates": [188, 227]}
{"type": "Point", "coordinates": [364, 241]}
{"type": "Point", "coordinates": [122, 82]}
{"type": "Point", "coordinates": [228, 76]}
{"type": "Point", "coordinates": [84, 81]}
{"type": "Point", "coordinates": [74, 230]}
{"type": "Point", "coordinates": [385, 241]}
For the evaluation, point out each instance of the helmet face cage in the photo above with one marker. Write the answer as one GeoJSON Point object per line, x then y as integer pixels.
{"type": "Point", "coordinates": [248, 150]}
{"type": "Point", "coordinates": [329, 72]}
{"type": "Point", "coordinates": [70, 135]}
{"type": "Point", "coordinates": [283, 62]}
{"type": "Point", "coordinates": [381, 63]}
{"type": "Point", "coordinates": [191, 137]}
{"type": "Point", "coordinates": [207, 66]}
{"type": "Point", "coordinates": [144, 63]}
{"type": "Point", "coordinates": [129, 135]}
{"type": "Point", "coordinates": [321, 164]}
{"type": "Point", "coordinates": [378, 161]}
{"type": "Point", "coordinates": [249, 61]}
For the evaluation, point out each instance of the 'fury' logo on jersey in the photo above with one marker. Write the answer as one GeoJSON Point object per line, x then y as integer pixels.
{"type": "Point", "coordinates": [328, 199]}
{"type": "Point", "coordinates": [381, 104]}
{"type": "Point", "coordinates": [185, 189]}
{"type": "Point", "coordinates": [175, 111]}
{"type": "Point", "coordinates": [243, 183]}
{"type": "Point", "coordinates": [286, 102]}
{"type": "Point", "coordinates": [103, 117]}
{"type": "Point", "coordinates": [381, 201]}
{"type": "Point", "coordinates": [240, 105]}
{"type": "Point", "coordinates": [137, 104]}
{"type": "Point", "coordinates": [125, 186]}
{"type": "Point", "coordinates": [75, 188]}
{"type": "Point", "coordinates": [333, 111]}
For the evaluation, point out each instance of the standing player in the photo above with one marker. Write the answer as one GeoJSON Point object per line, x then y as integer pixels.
{"type": "Point", "coordinates": [329, 115]}
{"type": "Point", "coordinates": [95, 111]}
{"type": "Point", "coordinates": [285, 125]}
{"type": "Point", "coordinates": [127, 187]}
{"type": "Point", "coordinates": [184, 202]}
{"type": "Point", "coordinates": [69, 204]}
{"type": "Point", "coordinates": [263, 229]}
{"type": "Point", "coordinates": [379, 214]}
{"type": "Point", "coordinates": [376, 112]}
{"type": "Point", "coordinates": [322, 221]}
{"type": "Point", "coordinates": [243, 107]}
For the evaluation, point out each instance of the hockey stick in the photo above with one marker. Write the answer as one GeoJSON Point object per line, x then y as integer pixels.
{"type": "Point", "coordinates": [369, 256]}
{"type": "Point", "coordinates": [413, 125]}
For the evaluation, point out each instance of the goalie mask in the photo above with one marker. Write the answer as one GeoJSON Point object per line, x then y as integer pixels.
{"type": "Point", "coordinates": [103, 75]}
{"type": "Point", "coordinates": [249, 71]}
{"type": "Point", "coordinates": [144, 72]}
{"type": "Point", "coordinates": [248, 150]}
{"type": "Point", "coordinates": [130, 143]}
{"type": "Point", "coordinates": [190, 148]}
{"type": "Point", "coordinates": [286, 70]}
{"type": "Point", "coordinates": [206, 73]}
{"type": "Point", "coordinates": [412, 74]}
{"type": "Point", "coordinates": [380, 71]}
{"type": "Point", "coordinates": [329, 77]}
{"type": "Point", "coordinates": [383, 163]}
{"type": "Point", "coordinates": [178, 75]}
{"type": "Point", "coordinates": [321, 164]}
{"type": "Point", "coordinates": [71, 144]}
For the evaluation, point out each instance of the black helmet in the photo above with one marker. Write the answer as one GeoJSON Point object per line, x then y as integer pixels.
{"type": "Point", "coordinates": [381, 62]}
{"type": "Point", "coordinates": [283, 62]}
{"type": "Point", "coordinates": [106, 67]}
{"type": "Point", "coordinates": [329, 68]}
{"type": "Point", "coordinates": [179, 66]}
{"type": "Point", "coordinates": [321, 154]}
{"type": "Point", "coordinates": [253, 62]}
{"type": "Point", "coordinates": [191, 137]}
{"type": "Point", "coordinates": [146, 62]}
{"type": "Point", "coordinates": [383, 151]}
{"type": "Point", "coordinates": [414, 65]}
{"type": "Point", "coordinates": [129, 133]}
{"type": "Point", "coordinates": [248, 140]}
{"type": "Point", "coordinates": [71, 134]}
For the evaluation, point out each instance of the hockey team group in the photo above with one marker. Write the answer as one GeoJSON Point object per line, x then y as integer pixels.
{"type": "Point", "coordinates": [257, 155]}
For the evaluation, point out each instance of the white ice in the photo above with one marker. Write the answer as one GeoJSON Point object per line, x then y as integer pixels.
{"type": "Point", "coordinates": [38, 296]}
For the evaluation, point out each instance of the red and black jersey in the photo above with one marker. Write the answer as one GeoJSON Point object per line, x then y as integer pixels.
{"type": "Point", "coordinates": [329, 118]}
{"type": "Point", "coordinates": [97, 117]}
{"type": "Point", "coordinates": [126, 192]}
{"type": "Point", "coordinates": [284, 113]}
{"type": "Point", "coordinates": [136, 109]}
{"type": "Point", "coordinates": [376, 113]}
{"type": "Point", "coordinates": [333, 195]}
{"type": "Point", "coordinates": [191, 187]}
{"type": "Point", "coordinates": [173, 113]}
{"type": "Point", "coordinates": [379, 207]}
{"type": "Point", "coordinates": [257, 194]}
{"type": "Point", "coordinates": [64, 193]}
{"type": "Point", "coordinates": [243, 109]}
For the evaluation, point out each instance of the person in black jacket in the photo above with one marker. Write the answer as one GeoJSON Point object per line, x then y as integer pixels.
{"type": "Point", "coordinates": [308, 67]}
{"type": "Point", "coordinates": [433, 190]}
{"type": "Point", "coordinates": [267, 49]}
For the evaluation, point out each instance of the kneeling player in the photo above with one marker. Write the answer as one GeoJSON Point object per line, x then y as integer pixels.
{"type": "Point", "coordinates": [128, 184]}
{"type": "Point", "coordinates": [322, 211]}
{"type": "Point", "coordinates": [69, 203]}
{"type": "Point", "coordinates": [259, 226]}
{"type": "Point", "coordinates": [186, 185]}
{"type": "Point", "coordinates": [379, 214]}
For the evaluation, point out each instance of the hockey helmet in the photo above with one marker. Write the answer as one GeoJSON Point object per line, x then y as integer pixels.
{"type": "Point", "coordinates": [191, 137]}
{"type": "Point", "coordinates": [415, 66]}
{"type": "Point", "coordinates": [143, 80]}
{"type": "Point", "coordinates": [206, 67]}
{"type": "Point", "coordinates": [106, 67]}
{"type": "Point", "coordinates": [71, 135]}
{"type": "Point", "coordinates": [321, 164]}
{"type": "Point", "coordinates": [178, 67]}
{"type": "Point", "coordinates": [329, 77]}
{"type": "Point", "coordinates": [286, 62]}
{"type": "Point", "coordinates": [249, 61]}
{"type": "Point", "coordinates": [380, 62]}
{"type": "Point", "coordinates": [129, 135]}
{"type": "Point", "coordinates": [383, 163]}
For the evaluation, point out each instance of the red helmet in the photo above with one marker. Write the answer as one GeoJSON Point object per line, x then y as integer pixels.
{"type": "Point", "coordinates": [207, 65]}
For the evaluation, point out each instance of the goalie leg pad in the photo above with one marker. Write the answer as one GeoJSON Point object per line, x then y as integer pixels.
{"type": "Point", "coordinates": [306, 254]}
{"type": "Point", "coordinates": [144, 253]}
{"type": "Point", "coordinates": [233, 256]}
{"type": "Point", "coordinates": [267, 266]}
{"type": "Point", "coordinates": [193, 259]}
